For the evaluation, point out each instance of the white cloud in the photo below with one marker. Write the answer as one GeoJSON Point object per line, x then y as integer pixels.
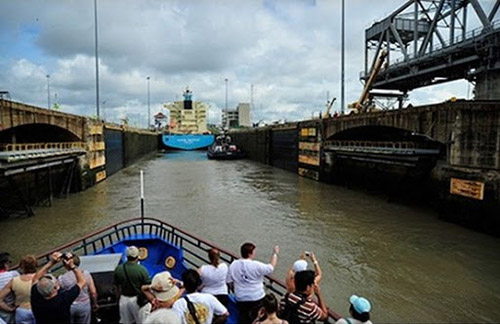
{"type": "Point", "coordinates": [290, 51]}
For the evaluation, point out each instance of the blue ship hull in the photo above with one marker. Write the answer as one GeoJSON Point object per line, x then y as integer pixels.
{"type": "Point", "coordinates": [187, 141]}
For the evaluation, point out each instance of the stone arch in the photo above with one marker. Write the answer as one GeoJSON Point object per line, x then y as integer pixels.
{"type": "Point", "coordinates": [379, 133]}
{"type": "Point", "coordinates": [38, 133]}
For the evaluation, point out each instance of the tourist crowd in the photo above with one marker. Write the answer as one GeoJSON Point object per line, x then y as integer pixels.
{"type": "Point", "coordinates": [198, 297]}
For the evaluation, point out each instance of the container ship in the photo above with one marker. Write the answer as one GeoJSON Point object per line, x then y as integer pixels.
{"type": "Point", "coordinates": [188, 124]}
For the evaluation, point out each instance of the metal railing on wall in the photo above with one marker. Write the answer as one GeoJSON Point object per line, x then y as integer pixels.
{"type": "Point", "coordinates": [374, 144]}
{"type": "Point", "coordinates": [43, 146]}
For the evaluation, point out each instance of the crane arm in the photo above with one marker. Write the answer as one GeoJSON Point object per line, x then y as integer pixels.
{"type": "Point", "coordinates": [369, 83]}
{"type": "Point", "coordinates": [329, 107]}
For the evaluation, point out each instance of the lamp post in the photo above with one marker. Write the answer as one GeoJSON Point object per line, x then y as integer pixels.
{"type": "Point", "coordinates": [225, 110]}
{"type": "Point", "coordinates": [48, 91]}
{"type": "Point", "coordinates": [149, 109]}
{"type": "Point", "coordinates": [226, 80]}
{"type": "Point", "coordinates": [96, 62]}
{"type": "Point", "coordinates": [342, 61]}
{"type": "Point", "coordinates": [103, 110]}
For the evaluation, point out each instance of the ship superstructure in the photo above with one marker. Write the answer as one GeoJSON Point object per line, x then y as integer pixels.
{"type": "Point", "coordinates": [188, 124]}
{"type": "Point", "coordinates": [188, 116]}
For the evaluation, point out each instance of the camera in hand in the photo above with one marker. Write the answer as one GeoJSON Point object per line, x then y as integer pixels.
{"type": "Point", "coordinates": [307, 253]}
{"type": "Point", "coordinates": [66, 256]}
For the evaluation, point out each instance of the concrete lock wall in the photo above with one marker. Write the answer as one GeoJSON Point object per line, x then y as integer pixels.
{"type": "Point", "coordinates": [137, 145]}
{"type": "Point", "coordinates": [255, 142]}
{"type": "Point", "coordinates": [111, 148]}
{"type": "Point", "coordinates": [463, 183]}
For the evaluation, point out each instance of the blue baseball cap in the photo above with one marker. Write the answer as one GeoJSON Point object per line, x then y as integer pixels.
{"type": "Point", "coordinates": [360, 304]}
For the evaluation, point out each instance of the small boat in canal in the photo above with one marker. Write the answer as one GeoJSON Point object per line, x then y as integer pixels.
{"type": "Point", "coordinates": [162, 247]}
{"type": "Point", "coordinates": [224, 149]}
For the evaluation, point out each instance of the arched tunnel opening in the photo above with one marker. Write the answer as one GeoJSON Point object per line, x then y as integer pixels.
{"type": "Point", "coordinates": [381, 158]}
{"type": "Point", "coordinates": [38, 185]}
{"type": "Point", "coordinates": [37, 133]}
{"type": "Point", "coordinates": [387, 134]}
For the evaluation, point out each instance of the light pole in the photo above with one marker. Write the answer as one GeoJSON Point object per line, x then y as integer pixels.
{"type": "Point", "coordinates": [226, 80]}
{"type": "Point", "coordinates": [342, 61]}
{"type": "Point", "coordinates": [48, 91]}
{"type": "Point", "coordinates": [96, 62]}
{"type": "Point", "coordinates": [149, 110]}
{"type": "Point", "coordinates": [103, 110]}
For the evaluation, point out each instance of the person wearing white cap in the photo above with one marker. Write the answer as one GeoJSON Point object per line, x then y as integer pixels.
{"type": "Point", "coordinates": [301, 265]}
{"type": "Point", "coordinates": [359, 310]}
{"type": "Point", "coordinates": [161, 293]}
{"type": "Point", "coordinates": [129, 277]}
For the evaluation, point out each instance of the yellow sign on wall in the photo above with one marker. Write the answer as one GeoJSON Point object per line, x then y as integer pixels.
{"type": "Point", "coordinates": [467, 188]}
{"type": "Point", "coordinates": [308, 159]}
{"type": "Point", "coordinates": [309, 146]}
{"type": "Point", "coordinates": [311, 131]}
{"type": "Point", "coordinates": [99, 176]}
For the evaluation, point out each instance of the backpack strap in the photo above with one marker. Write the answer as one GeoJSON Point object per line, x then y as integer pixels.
{"type": "Point", "coordinates": [138, 292]}
{"type": "Point", "coordinates": [192, 311]}
{"type": "Point", "coordinates": [348, 320]}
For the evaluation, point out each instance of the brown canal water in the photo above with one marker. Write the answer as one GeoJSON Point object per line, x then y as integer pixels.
{"type": "Point", "coordinates": [412, 266]}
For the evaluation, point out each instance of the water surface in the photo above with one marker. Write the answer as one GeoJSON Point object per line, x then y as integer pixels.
{"type": "Point", "coordinates": [412, 266]}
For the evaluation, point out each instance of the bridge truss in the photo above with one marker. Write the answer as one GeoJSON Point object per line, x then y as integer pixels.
{"type": "Point", "coordinates": [434, 41]}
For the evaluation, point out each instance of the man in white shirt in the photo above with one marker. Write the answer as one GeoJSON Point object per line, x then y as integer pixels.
{"type": "Point", "coordinates": [200, 305]}
{"type": "Point", "coordinates": [247, 276]}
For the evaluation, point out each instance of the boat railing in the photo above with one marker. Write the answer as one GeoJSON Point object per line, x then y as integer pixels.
{"type": "Point", "coordinates": [195, 248]}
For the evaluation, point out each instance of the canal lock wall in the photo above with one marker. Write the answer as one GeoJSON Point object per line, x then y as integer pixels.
{"type": "Point", "coordinates": [461, 179]}
{"type": "Point", "coordinates": [40, 176]}
{"type": "Point", "coordinates": [113, 147]}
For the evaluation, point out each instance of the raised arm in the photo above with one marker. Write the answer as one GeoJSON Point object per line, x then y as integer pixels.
{"type": "Point", "coordinates": [4, 292]}
{"type": "Point", "coordinates": [93, 293]}
{"type": "Point", "coordinates": [80, 278]}
{"type": "Point", "coordinates": [289, 280]}
{"type": "Point", "coordinates": [321, 303]}
{"type": "Point", "coordinates": [317, 269]}
{"type": "Point", "coordinates": [274, 257]}
{"type": "Point", "coordinates": [54, 258]}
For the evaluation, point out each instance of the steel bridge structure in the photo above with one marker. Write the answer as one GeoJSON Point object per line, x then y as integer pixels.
{"type": "Point", "coordinates": [434, 41]}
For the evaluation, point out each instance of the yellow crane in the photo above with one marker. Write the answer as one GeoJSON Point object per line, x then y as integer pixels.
{"type": "Point", "coordinates": [362, 105]}
{"type": "Point", "coordinates": [328, 108]}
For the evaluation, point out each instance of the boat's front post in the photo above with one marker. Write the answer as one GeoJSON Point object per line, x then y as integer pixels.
{"type": "Point", "coordinates": [142, 201]}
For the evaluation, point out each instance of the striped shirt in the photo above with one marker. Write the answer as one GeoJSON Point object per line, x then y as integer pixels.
{"type": "Point", "coordinates": [308, 312]}
{"type": "Point", "coordinates": [5, 277]}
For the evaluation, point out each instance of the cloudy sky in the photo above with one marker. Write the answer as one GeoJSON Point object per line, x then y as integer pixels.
{"type": "Point", "coordinates": [288, 49]}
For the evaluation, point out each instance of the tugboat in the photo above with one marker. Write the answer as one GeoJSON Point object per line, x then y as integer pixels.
{"type": "Point", "coordinates": [223, 149]}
